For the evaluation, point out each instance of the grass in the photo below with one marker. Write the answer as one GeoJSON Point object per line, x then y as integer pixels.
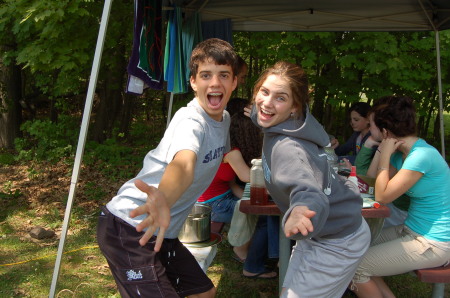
{"type": "Point", "coordinates": [27, 265]}
{"type": "Point", "coordinates": [84, 272]}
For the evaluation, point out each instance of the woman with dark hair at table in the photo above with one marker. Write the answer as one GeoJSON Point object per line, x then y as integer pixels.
{"type": "Point", "coordinates": [359, 120]}
{"type": "Point", "coordinates": [407, 164]}
{"type": "Point", "coordinates": [322, 210]}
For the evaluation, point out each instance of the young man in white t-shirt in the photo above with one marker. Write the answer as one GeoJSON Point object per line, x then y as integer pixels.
{"type": "Point", "coordinates": [138, 229]}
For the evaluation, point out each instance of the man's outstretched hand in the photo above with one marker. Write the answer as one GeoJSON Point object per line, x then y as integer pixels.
{"type": "Point", "coordinates": [158, 214]}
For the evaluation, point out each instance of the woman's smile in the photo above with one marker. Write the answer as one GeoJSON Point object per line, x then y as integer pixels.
{"type": "Point", "coordinates": [274, 101]}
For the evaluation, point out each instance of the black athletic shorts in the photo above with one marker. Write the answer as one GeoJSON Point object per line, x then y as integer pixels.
{"type": "Point", "coordinates": [141, 272]}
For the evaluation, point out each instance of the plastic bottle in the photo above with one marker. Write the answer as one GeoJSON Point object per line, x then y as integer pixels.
{"type": "Point", "coordinates": [352, 176]}
{"type": "Point", "coordinates": [258, 192]}
{"type": "Point", "coordinates": [332, 158]}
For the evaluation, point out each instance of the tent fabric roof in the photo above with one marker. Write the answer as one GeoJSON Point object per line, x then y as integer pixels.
{"type": "Point", "coordinates": [326, 15]}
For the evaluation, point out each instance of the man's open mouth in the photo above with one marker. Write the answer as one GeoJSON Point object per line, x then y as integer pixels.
{"type": "Point", "coordinates": [215, 98]}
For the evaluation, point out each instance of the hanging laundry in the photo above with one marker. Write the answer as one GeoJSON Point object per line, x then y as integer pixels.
{"type": "Point", "coordinates": [174, 63]}
{"type": "Point", "coordinates": [145, 66]}
{"type": "Point", "coordinates": [191, 35]}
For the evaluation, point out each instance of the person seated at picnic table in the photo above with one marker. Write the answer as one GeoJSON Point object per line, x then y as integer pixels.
{"type": "Point", "coordinates": [364, 160]}
{"type": "Point", "coordinates": [360, 123]}
{"type": "Point", "coordinates": [366, 164]}
{"type": "Point", "coordinates": [366, 155]}
{"type": "Point", "coordinates": [322, 211]}
{"type": "Point", "coordinates": [407, 164]}
{"type": "Point", "coordinates": [224, 192]}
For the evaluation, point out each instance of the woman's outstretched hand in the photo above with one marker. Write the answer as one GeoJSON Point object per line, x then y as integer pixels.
{"type": "Point", "coordinates": [158, 214]}
{"type": "Point", "coordinates": [299, 221]}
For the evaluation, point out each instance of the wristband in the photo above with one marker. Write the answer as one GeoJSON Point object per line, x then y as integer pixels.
{"type": "Point", "coordinates": [378, 150]}
{"type": "Point", "coordinates": [382, 168]}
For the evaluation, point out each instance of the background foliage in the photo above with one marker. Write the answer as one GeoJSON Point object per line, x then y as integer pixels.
{"type": "Point", "coordinates": [51, 44]}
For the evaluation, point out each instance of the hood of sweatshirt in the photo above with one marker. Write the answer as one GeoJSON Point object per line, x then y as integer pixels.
{"type": "Point", "coordinates": [306, 128]}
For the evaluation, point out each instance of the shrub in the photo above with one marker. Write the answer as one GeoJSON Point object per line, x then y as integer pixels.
{"type": "Point", "coordinates": [47, 140]}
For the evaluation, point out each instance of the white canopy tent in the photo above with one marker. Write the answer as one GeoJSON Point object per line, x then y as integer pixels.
{"type": "Point", "coordinates": [328, 15]}
{"type": "Point", "coordinates": [283, 15]}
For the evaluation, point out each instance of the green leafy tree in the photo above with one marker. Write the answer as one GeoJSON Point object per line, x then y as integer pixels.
{"type": "Point", "coordinates": [54, 43]}
{"type": "Point", "coordinates": [10, 80]}
{"type": "Point", "coordinates": [49, 46]}
{"type": "Point", "coordinates": [346, 67]}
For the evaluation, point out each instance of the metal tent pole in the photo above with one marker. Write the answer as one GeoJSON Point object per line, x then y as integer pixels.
{"type": "Point", "coordinates": [169, 112]}
{"type": "Point", "coordinates": [441, 106]}
{"type": "Point", "coordinates": [438, 58]}
{"type": "Point", "coordinates": [82, 139]}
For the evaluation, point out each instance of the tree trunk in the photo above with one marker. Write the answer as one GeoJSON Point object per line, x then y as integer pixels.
{"type": "Point", "coordinates": [111, 97]}
{"type": "Point", "coordinates": [125, 116]}
{"type": "Point", "coordinates": [427, 122]}
{"type": "Point", "coordinates": [424, 121]}
{"type": "Point", "coordinates": [436, 129]}
{"type": "Point", "coordinates": [11, 111]}
{"type": "Point", "coordinates": [420, 127]}
{"type": "Point", "coordinates": [251, 74]}
{"type": "Point", "coordinates": [346, 130]}
{"type": "Point", "coordinates": [109, 101]}
{"type": "Point", "coordinates": [329, 118]}
{"type": "Point", "coordinates": [320, 94]}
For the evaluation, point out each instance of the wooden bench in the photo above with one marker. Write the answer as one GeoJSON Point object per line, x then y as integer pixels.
{"type": "Point", "coordinates": [217, 227]}
{"type": "Point", "coordinates": [437, 276]}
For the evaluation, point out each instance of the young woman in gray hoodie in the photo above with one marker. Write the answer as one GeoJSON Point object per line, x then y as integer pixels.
{"type": "Point", "coordinates": [322, 210]}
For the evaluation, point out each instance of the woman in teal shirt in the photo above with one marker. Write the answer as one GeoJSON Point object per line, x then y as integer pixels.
{"type": "Point", "coordinates": [407, 164]}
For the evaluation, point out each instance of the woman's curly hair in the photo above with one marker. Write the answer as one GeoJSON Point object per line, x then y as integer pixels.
{"type": "Point", "coordinates": [396, 114]}
{"type": "Point", "coordinates": [246, 136]}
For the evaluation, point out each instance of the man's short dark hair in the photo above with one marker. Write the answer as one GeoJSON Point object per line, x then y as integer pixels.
{"type": "Point", "coordinates": [218, 50]}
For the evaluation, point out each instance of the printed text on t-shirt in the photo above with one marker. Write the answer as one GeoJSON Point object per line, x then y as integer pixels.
{"type": "Point", "coordinates": [214, 154]}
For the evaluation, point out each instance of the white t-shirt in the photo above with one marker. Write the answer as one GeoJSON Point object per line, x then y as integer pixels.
{"type": "Point", "coordinates": [191, 128]}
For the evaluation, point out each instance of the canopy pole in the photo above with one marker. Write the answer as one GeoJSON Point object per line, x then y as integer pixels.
{"type": "Point", "coordinates": [441, 106]}
{"type": "Point", "coordinates": [169, 112]}
{"type": "Point", "coordinates": [81, 139]}
{"type": "Point", "coordinates": [438, 59]}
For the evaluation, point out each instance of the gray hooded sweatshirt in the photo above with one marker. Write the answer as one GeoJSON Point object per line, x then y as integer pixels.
{"type": "Point", "coordinates": [296, 173]}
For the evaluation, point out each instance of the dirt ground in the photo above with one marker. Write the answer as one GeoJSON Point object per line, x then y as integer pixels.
{"type": "Point", "coordinates": [44, 188]}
